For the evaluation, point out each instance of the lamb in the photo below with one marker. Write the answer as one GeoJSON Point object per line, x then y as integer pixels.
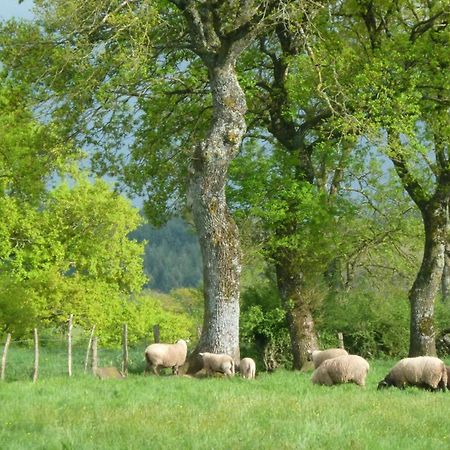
{"type": "Point", "coordinates": [426, 372]}
{"type": "Point", "coordinates": [342, 369]}
{"type": "Point", "coordinates": [319, 356]}
{"type": "Point", "coordinates": [108, 372]}
{"type": "Point", "coordinates": [217, 362]}
{"type": "Point", "coordinates": [247, 368]}
{"type": "Point", "coordinates": [166, 355]}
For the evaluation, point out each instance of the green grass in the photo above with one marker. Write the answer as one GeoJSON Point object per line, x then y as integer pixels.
{"type": "Point", "coordinates": [276, 411]}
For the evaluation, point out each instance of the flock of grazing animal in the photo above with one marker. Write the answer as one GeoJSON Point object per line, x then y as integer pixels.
{"type": "Point", "coordinates": [174, 356]}
{"type": "Point", "coordinates": [332, 366]}
{"type": "Point", "coordinates": [336, 366]}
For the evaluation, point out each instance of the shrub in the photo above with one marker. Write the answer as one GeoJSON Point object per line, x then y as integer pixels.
{"type": "Point", "coordinates": [372, 325]}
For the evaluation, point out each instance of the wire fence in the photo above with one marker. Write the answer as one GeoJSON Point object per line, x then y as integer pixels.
{"type": "Point", "coordinates": [67, 355]}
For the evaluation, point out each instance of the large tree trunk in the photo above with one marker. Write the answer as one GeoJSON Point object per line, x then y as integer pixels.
{"type": "Point", "coordinates": [218, 233]}
{"type": "Point", "coordinates": [298, 312]}
{"type": "Point", "coordinates": [427, 283]}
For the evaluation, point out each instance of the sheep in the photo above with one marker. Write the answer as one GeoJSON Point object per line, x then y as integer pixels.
{"type": "Point", "coordinates": [247, 368]}
{"type": "Point", "coordinates": [426, 372]}
{"type": "Point", "coordinates": [342, 369]}
{"type": "Point", "coordinates": [108, 372]}
{"type": "Point", "coordinates": [217, 362]}
{"type": "Point", "coordinates": [319, 356]}
{"type": "Point", "coordinates": [166, 355]}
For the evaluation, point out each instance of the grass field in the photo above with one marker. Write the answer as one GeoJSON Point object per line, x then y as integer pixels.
{"type": "Point", "coordinates": [276, 411]}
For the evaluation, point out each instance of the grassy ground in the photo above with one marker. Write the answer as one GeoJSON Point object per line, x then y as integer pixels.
{"type": "Point", "coordinates": [281, 410]}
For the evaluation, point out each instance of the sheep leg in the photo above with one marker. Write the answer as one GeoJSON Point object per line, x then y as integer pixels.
{"type": "Point", "coordinates": [155, 370]}
{"type": "Point", "coordinates": [175, 370]}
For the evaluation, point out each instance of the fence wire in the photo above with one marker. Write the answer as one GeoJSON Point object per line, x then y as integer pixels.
{"type": "Point", "coordinates": [53, 357]}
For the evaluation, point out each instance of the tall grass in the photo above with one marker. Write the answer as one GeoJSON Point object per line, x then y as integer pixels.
{"type": "Point", "coordinates": [281, 410]}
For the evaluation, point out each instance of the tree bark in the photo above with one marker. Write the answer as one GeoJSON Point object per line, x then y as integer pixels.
{"type": "Point", "coordinates": [427, 282]}
{"type": "Point", "coordinates": [217, 231]}
{"type": "Point", "coordinates": [445, 282]}
{"type": "Point", "coordinates": [298, 312]}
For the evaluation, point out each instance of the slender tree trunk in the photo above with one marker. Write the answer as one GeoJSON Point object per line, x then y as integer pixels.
{"type": "Point", "coordinates": [298, 309]}
{"type": "Point", "coordinates": [427, 283]}
{"type": "Point", "coordinates": [217, 231]}
{"type": "Point", "coordinates": [445, 281]}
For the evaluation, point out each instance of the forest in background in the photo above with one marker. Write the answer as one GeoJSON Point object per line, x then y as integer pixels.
{"type": "Point", "coordinates": [172, 256]}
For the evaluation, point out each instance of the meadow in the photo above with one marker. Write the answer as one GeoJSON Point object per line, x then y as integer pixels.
{"type": "Point", "coordinates": [282, 410]}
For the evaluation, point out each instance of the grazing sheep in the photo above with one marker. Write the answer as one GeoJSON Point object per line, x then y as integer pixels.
{"type": "Point", "coordinates": [247, 368]}
{"type": "Point", "coordinates": [217, 362]}
{"type": "Point", "coordinates": [166, 355]}
{"type": "Point", "coordinates": [108, 372]}
{"type": "Point", "coordinates": [319, 356]}
{"type": "Point", "coordinates": [425, 372]}
{"type": "Point", "coordinates": [342, 369]}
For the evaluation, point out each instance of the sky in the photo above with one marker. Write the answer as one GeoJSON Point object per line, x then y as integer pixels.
{"type": "Point", "coordinates": [11, 8]}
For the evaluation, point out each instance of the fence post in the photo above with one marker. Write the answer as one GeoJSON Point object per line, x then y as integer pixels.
{"type": "Point", "coordinates": [156, 335]}
{"type": "Point", "coordinates": [5, 352]}
{"type": "Point", "coordinates": [94, 355]}
{"type": "Point", "coordinates": [125, 350]}
{"type": "Point", "coordinates": [341, 340]}
{"type": "Point", "coordinates": [36, 356]}
{"type": "Point", "coordinates": [86, 361]}
{"type": "Point", "coordinates": [69, 345]}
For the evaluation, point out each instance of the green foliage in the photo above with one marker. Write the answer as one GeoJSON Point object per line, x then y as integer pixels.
{"type": "Point", "coordinates": [29, 151]}
{"type": "Point", "coordinates": [263, 327]}
{"type": "Point", "coordinates": [119, 79]}
{"type": "Point", "coordinates": [69, 255]}
{"type": "Point", "coordinates": [147, 310]}
{"type": "Point", "coordinates": [374, 324]}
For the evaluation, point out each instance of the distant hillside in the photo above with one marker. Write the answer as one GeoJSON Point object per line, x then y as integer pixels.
{"type": "Point", "coordinates": [172, 256]}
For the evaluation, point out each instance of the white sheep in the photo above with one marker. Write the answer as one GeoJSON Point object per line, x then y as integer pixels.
{"type": "Point", "coordinates": [247, 368]}
{"type": "Point", "coordinates": [217, 362]}
{"type": "Point", "coordinates": [319, 356]}
{"type": "Point", "coordinates": [426, 372]}
{"type": "Point", "coordinates": [166, 355]}
{"type": "Point", "coordinates": [342, 369]}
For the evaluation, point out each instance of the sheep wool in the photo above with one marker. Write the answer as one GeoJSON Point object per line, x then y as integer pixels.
{"type": "Point", "coordinates": [319, 356]}
{"type": "Point", "coordinates": [426, 372]}
{"type": "Point", "coordinates": [217, 362]}
{"type": "Point", "coordinates": [342, 369]}
{"type": "Point", "coordinates": [166, 355]}
{"type": "Point", "coordinates": [247, 368]}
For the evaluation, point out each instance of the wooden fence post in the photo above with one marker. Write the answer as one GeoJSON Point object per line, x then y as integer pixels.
{"type": "Point", "coordinates": [36, 356]}
{"type": "Point", "coordinates": [125, 350]}
{"type": "Point", "coordinates": [86, 361]}
{"type": "Point", "coordinates": [94, 355]}
{"type": "Point", "coordinates": [69, 345]}
{"type": "Point", "coordinates": [156, 335]}
{"type": "Point", "coordinates": [5, 352]}
{"type": "Point", "coordinates": [341, 340]}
